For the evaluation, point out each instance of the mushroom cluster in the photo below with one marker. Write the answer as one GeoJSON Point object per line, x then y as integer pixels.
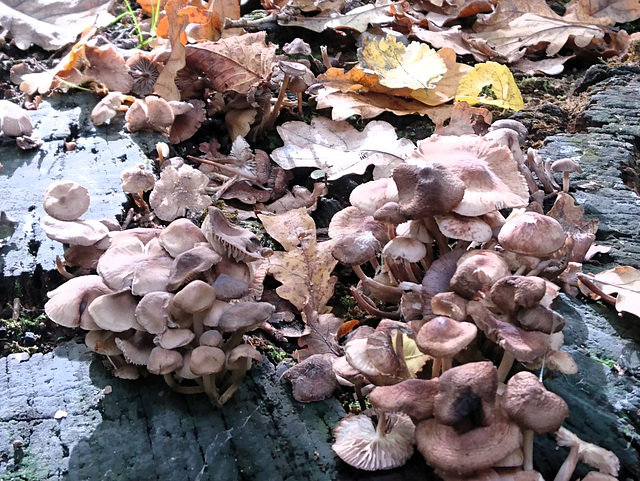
{"type": "Point", "coordinates": [174, 302]}
{"type": "Point", "coordinates": [456, 243]}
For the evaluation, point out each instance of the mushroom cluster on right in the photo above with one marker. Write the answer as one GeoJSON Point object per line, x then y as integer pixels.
{"type": "Point", "coordinates": [459, 253]}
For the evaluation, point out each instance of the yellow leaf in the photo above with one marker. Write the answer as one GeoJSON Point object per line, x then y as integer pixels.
{"type": "Point", "coordinates": [417, 66]}
{"type": "Point", "coordinates": [490, 83]}
{"type": "Point", "coordinates": [414, 358]}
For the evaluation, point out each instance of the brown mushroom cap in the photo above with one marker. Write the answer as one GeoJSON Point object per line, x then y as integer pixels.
{"type": "Point", "coordinates": [240, 356]}
{"type": "Point", "coordinates": [152, 311]}
{"type": "Point", "coordinates": [467, 396]}
{"type": "Point", "coordinates": [464, 228]}
{"type": "Point", "coordinates": [206, 360]}
{"type": "Point", "coordinates": [359, 444]}
{"type": "Point", "coordinates": [102, 342]}
{"type": "Point", "coordinates": [566, 165]}
{"type": "Point", "coordinates": [480, 448]}
{"type": "Point", "coordinates": [427, 190]}
{"type": "Point", "coordinates": [211, 338]}
{"type": "Point", "coordinates": [244, 316]}
{"type": "Point", "coordinates": [540, 318]}
{"type": "Point", "coordinates": [188, 264]}
{"type": "Point", "coordinates": [66, 200]}
{"type": "Point", "coordinates": [312, 379]}
{"type": "Point", "coordinates": [107, 108]}
{"type": "Point", "coordinates": [477, 272]}
{"type": "Point", "coordinates": [356, 249]}
{"type": "Point", "coordinates": [513, 292]}
{"type": "Point", "coordinates": [164, 361]}
{"type": "Point", "coordinates": [407, 248]}
{"type": "Point", "coordinates": [532, 234]}
{"type": "Point", "coordinates": [228, 288]}
{"type": "Point", "coordinates": [197, 296]}
{"type": "Point", "coordinates": [444, 337]}
{"type": "Point", "coordinates": [414, 397]}
{"type": "Point", "coordinates": [531, 406]}
{"type": "Point", "coordinates": [175, 338]}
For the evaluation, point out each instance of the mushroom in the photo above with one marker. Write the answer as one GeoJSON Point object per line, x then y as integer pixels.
{"type": "Point", "coordinates": [137, 348]}
{"type": "Point", "coordinates": [179, 190]}
{"type": "Point", "coordinates": [566, 166]}
{"type": "Point", "coordinates": [238, 362]}
{"type": "Point", "coordinates": [189, 264]}
{"type": "Point", "coordinates": [67, 305]}
{"type": "Point", "coordinates": [442, 338]}
{"type": "Point", "coordinates": [369, 445]}
{"type": "Point", "coordinates": [355, 249]}
{"type": "Point", "coordinates": [514, 292]}
{"type": "Point", "coordinates": [152, 113]}
{"type": "Point", "coordinates": [477, 272]}
{"type": "Point", "coordinates": [152, 312]}
{"type": "Point", "coordinates": [229, 240]}
{"type": "Point", "coordinates": [601, 459]}
{"type": "Point", "coordinates": [533, 408]}
{"type": "Point", "coordinates": [298, 75]}
{"type": "Point", "coordinates": [207, 361]}
{"type": "Point", "coordinates": [144, 73]}
{"type": "Point", "coordinates": [76, 232]}
{"type": "Point", "coordinates": [102, 342]}
{"type": "Point", "coordinates": [136, 181]}
{"type": "Point", "coordinates": [180, 236]}
{"type": "Point", "coordinates": [400, 256]}
{"type": "Point", "coordinates": [414, 397]}
{"type": "Point", "coordinates": [188, 117]}
{"type": "Point", "coordinates": [115, 312]}
{"type": "Point", "coordinates": [195, 298]}
{"type": "Point", "coordinates": [242, 317]}
{"type": "Point", "coordinates": [66, 200]}
{"type": "Point", "coordinates": [14, 121]}
{"type": "Point", "coordinates": [107, 108]}
{"type": "Point", "coordinates": [164, 361]}
{"type": "Point", "coordinates": [312, 379]}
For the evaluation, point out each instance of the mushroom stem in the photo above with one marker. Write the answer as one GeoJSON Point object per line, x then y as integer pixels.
{"type": "Point", "coordinates": [433, 229]}
{"type": "Point", "coordinates": [60, 267]}
{"type": "Point", "coordinates": [381, 427]}
{"type": "Point", "coordinates": [210, 390]}
{"type": "Point", "coordinates": [234, 382]}
{"type": "Point", "coordinates": [234, 341]}
{"type": "Point", "coordinates": [273, 115]}
{"type": "Point", "coordinates": [527, 449]}
{"type": "Point", "coordinates": [360, 396]}
{"type": "Point", "coordinates": [569, 464]}
{"type": "Point", "coordinates": [359, 272]}
{"type": "Point", "coordinates": [410, 271]}
{"type": "Point", "coordinates": [589, 284]}
{"type": "Point", "coordinates": [198, 326]}
{"type": "Point", "coordinates": [538, 169]}
{"type": "Point", "coordinates": [374, 263]}
{"type": "Point", "coordinates": [505, 366]}
{"type": "Point", "coordinates": [447, 362]}
{"type": "Point", "coordinates": [367, 305]}
{"type": "Point", "coordinates": [565, 181]}
{"type": "Point", "coordinates": [436, 368]}
{"type": "Point", "coordinates": [171, 382]}
{"type": "Point", "coordinates": [549, 172]}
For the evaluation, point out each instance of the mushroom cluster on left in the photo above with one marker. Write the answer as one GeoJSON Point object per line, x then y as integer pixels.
{"type": "Point", "coordinates": [173, 301]}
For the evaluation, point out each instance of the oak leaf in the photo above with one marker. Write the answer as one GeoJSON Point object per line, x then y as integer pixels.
{"type": "Point", "coordinates": [235, 63]}
{"type": "Point", "coordinates": [320, 337]}
{"type": "Point", "coordinates": [415, 66]}
{"type": "Point", "coordinates": [603, 12]}
{"type": "Point", "coordinates": [492, 84]}
{"type": "Point", "coordinates": [337, 148]}
{"type": "Point", "coordinates": [357, 19]}
{"type": "Point", "coordinates": [305, 268]}
{"type": "Point", "coordinates": [625, 283]}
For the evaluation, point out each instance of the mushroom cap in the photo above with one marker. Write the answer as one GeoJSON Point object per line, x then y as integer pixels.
{"type": "Point", "coordinates": [312, 379]}
{"type": "Point", "coordinates": [449, 304]}
{"type": "Point", "coordinates": [591, 454]}
{"type": "Point", "coordinates": [414, 397]}
{"type": "Point", "coordinates": [164, 361]}
{"type": "Point", "coordinates": [464, 228]}
{"type": "Point", "coordinates": [102, 342]}
{"type": "Point", "coordinates": [375, 357]}
{"type": "Point", "coordinates": [115, 312]}
{"type": "Point", "coordinates": [390, 214]}
{"type": "Point", "coordinates": [240, 356]}
{"type": "Point", "coordinates": [14, 121]}
{"type": "Point", "coordinates": [244, 316]}
{"type": "Point", "coordinates": [107, 108]}
{"type": "Point", "coordinates": [206, 360]}
{"type": "Point", "coordinates": [66, 200]}
{"type": "Point", "coordinates": [188, 119]}
{"type": "Point", "coordinates": [476, 273]}
{"type": "Point", "coordinates": [467, 396]}
{"type": "Point", "coordinates": [402, 247]}
{"type": "Point", "coordinates": [177, 191]}
{"type": "Point", "coordinates": [527, 402]}
{"type": "Point", "coordinates": [195, 297]}
{"type": "Point", "coordinates": [180, 236]}
{"type": "Point", "coordinates": [566, 165]}
{"type": "Point", "coordinates": [540, 318]}
{"type": "Point", "coordinates": [511, 124]}
{"type": "Point", "coordinates": [532, 234]}
{"type": "Point", "coordinates": [427, 190]}
{"type": "Point", "coordinates": [352, 220]}
{"type": "Point", "coordinates": [513, 292]}
{"type": "Point", "coordinates": [175, 338]}
{"type": "Point", "coordinates": [359, 444]}
{"type": "Point", "coordinates": [136, 179]}
{"type": "Point", "coordinates": [370, 196]}
{"type": "Point", "coordinates": [480, 448]}
{"type": "Point", "coordinates": [137, 348]}
{"type": "Point", "coordinates": [355, 249]}
{"type": "Point", "coordinates": [297, 47]}
{"type": "Point", "coordinates": [228, 288]}
{"type": "Point", "coordinates": [152, 113]}
{"type": "Point", "coordinates": [230, 240]}
{"type": "Point", "coordinates": [152, 311]}
{"type": "Point", "coordinates": [144, 73]}
{"type": "Point", "coordinates": [211, 338]}
{"type": "Point", "coordinates": [76, 232]}
{"type": "Point", "coordinates": [67, 305]}
{"type": "Point", "coordinates": [188, 264]}
{"type": "Point", "coordinates": [444, 337]}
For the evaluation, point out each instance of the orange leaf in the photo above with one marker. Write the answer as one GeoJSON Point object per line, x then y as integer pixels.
{"type": "Point", "coordinates": [346, 328]}
{"type": "Point", "coordinates": [194, 15]}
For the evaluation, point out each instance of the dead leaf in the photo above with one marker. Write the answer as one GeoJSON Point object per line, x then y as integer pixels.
{"type": "Point", "coordinates": [414, 358]}
{"type": "Point", "coordinates": [51, 24]}
{"type": "Point", "coordinates": [516, 25]}
{"type": "Point", "coordinates": [337, 148]}
{"type": "Point", "coordinates": [371, 104]}
{"type": "Point", "coordinates": [571, 216]}
{"type": "Point", "coordinates": [603, 12]}
{"type": "Point", "coordinates": [625, 283]}
{"type": "Point", "coordinates": [549, 66]}
{"type": "Point", "coordinates": [346, 328]}
{"type": "Point", "coordinates": [320, 337]}
{"type": "Point", "coordinates": [234, 63]}
{"type": "Point", "coordinates": [165, 86]}
{"type": "Point", "coordinates": [492, 84]}
{"type": "Point", "coordinates": [415, 66]}
{"type": "Point", "coordinates": [357, 19]}
{"type": "Point", "coordinates": [453, 38]}
{"type": "Point", "coordinates": [305, 268]}
{"type": "Point", "coordinates": [194, 14]}
{"type": "Point", "coordinates": [466, 120]}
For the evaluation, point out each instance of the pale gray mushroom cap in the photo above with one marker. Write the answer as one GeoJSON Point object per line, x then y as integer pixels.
{"type": "Point", "coordinates": [179, 190]}
{"type": "Point", "coordinates": [107, 108]}
{"type": "Point", "coordinates": [360, 444]}
{"type": "Point", "coordinates": [102, 342]}
{"type": "Point", "coordinates": [312, 379]}
{"type": "Point", "coordinates": [244, 316]}
{"type": "Point", "coordinates": [14, 121]}
{"type": "Point", "coordinates": [180, 236]}
{"type": "Point", "coordinates": [77, 232]}
{"type": "Point", "coordinates": [115, 312]}
{"type": "Point", "coordinates": [136, 179]}
{"type": "Point", "coordinates": [152, 311]}
{"type": "Point", "coordinates": [68, 303]}
{"type": "Point", "coordinates": [66, 200]}
{"type": "Point", "coordinates": [136, 349]}
{"type": "Point", "coordinates": [175, 338]}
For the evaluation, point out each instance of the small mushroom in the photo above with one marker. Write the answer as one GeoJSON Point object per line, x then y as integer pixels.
{"type": "Point", "coordinates": [414, 397]}
{"type": "Point", "coordinates": [144, 73]}
{"type": "Point", "coordinates": [566, 166]}
{"type": "Point", "coordinates": [164, 361]}
{"type": "Point", "coordinates": [238, 362]}
{"type": "Point", "coordinates": [443, 338]}
{"type": "Point", "coordinates": [14, 121]}
{"type": "Point", "coordinates": [66, 200]}
{"type": "Point", "coordinates": [312, 379]}
{"type": "Point", "coordinates": [195, 298]}
{"type": "Point", "coordinates": [602, 459]}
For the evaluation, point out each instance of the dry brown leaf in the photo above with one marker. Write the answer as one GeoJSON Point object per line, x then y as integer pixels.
{"type": "Point", "coordinates": [357, 19]}
{"type": "Point", "coordinates": [165, 86]}
{"type": "Point", "coordinates": [571, 216]}
{"type": "Point", "coordinates": [305, 268]}
{"type": "Point", "coordinates": [549, 66]}
{"type": "Point", "coordinates": [371, 104]}
{"type": "Point", "coordinates": [234, 63]}
{"type": "Point", "coordinates": [466, 120]}
{"type": "Point", "coordinates": [337, 148]}
{"type": "Point", "coordinates": [51, 24]}
{"type": "Point", "coordinates": [320, 337]}
{"type": "Point", "coordinates": [625, 283]}
{"type": "Point", "coordinates": [603, 12]}
{"type": "Point", "coordinates": [516, 25]}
